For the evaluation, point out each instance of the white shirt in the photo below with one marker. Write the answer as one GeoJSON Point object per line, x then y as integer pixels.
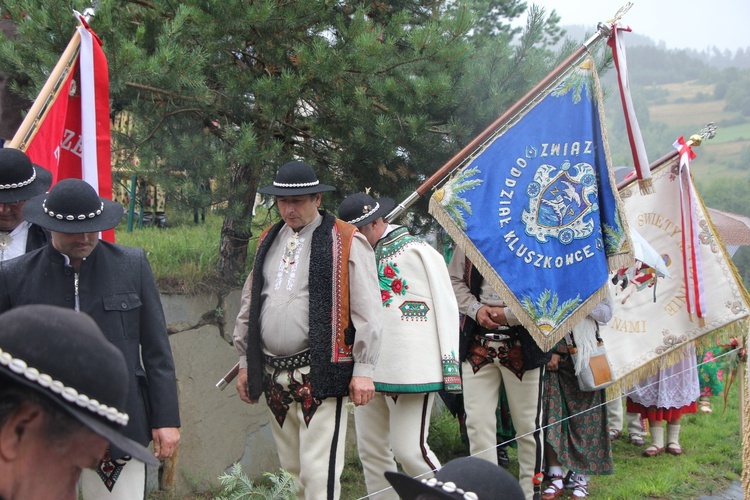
{"type": "Point", "coordinates": [17, 244]}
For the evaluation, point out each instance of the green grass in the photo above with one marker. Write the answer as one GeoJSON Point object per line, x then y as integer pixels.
{"type": "Point", "coordinates": [712, 458]}
{"type": "Point", "coordinates": [184, 258]}
{"type": "Point", "coordinates": [732, 133]}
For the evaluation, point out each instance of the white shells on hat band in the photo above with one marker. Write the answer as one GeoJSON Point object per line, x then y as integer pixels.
{"type": "Point", "coordinates": [69, 217]}
{"type": "Point", "coordinates": [450, 487]}
{"type": "Point", "coordinates": [297, 185]}
{"type": "Point", "coordinates": [20, 367]}
{"type": "Point", "coordinates": [16, 185]}
{"type": "Point", "coordinates": [363, 217]}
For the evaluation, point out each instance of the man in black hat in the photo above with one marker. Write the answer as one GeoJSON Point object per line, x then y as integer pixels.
{"type": "Point", "coordinates": [308, 332]}
{"type": "Point", "coordinates": [19, 180]}
{"type": "Point", "coordinates": [63, 389]}
{"type": "Point", "coordinates": [418, 353]}
{"type": "Point", "coordinates": [114, 285]}
{"type": "Point", "coordinates": [460, 479]}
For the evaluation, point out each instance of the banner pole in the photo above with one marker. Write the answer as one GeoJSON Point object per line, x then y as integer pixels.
{"type": "Point", "coordinates": [47, 95]}
{"type": "Point", "coordinates": [500, 123]}
{"type": "Point", "coordinates": [706, 133]}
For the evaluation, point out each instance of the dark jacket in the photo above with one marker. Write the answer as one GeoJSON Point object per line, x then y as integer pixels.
{"type": "Point", "coordinates": [117, 289]}
{"type": "Point", "coordinates": [37, 238]}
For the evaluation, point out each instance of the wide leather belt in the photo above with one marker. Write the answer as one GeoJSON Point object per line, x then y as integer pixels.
{"type": "Point", "coordinates": [289, 362]}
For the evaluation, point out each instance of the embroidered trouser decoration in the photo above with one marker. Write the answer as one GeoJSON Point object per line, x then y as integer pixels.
{"type": "Point", "coordinates": [507, 352]}
{"type": "Point", "coordinates": [279, 397]}
{"type": "Point", "coordinates": [109, 470]}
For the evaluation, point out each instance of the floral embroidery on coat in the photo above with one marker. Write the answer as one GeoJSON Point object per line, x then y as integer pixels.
{"type": "Point", "coordinates": [391, 284]}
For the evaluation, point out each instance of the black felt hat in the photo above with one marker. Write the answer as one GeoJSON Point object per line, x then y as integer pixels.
{"type": "Point", "coordinates": [72, 206]}
{"type": "Point", "coordinates": [19, 178]}
{"type": "Point", "coordinates": [295, 178]}
{"type": "Point", "coordinates": [64, 355]}
{"type": "Point", "coordinates": [361, 208]}
{"type": "Point", "coordinates": [462, 478]}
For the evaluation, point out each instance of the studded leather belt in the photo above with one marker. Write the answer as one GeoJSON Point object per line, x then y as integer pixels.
{"type": "Point", "coordinates": [290, 362]}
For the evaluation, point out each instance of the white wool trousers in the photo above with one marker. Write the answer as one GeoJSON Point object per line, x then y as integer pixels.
{"type": "Point", "coordinates": [313, 452]}
{"type": "Point", "coordinates": [391, 428]}
{"type": "Point", "coordinates": [615, 418]}
{"type": "Point", "coordinates": [481, 393]}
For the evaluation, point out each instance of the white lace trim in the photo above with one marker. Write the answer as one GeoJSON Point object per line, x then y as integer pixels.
{"type": "Point", "coordinates": [290, 270]}
{"type": "Point", "coordinates": [20, 367]}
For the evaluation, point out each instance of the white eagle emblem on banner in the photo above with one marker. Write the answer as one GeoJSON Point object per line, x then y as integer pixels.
{"type": "Point", "coordinates": [560, 201]}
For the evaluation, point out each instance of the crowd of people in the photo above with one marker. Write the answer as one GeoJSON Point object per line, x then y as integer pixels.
{"type": "Point", "coordinates": [51, 256]}
{"type": "Point", "coordinates": [336, 309]}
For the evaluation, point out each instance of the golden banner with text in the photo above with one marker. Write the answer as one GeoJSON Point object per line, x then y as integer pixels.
{"type": "Point", "coordinates": [651, 324]}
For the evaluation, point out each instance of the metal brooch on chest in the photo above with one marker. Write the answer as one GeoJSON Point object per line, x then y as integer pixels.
{"type": "Point", "coordinates": [5, 240]}
{"type": "Point", "coordinates": [291, 247]}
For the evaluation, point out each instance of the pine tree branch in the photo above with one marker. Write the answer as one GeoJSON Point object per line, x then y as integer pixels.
{"type": "Point", "coordinates": [142, 3]}
{"type": "Point", "coordinates": [154, 90]}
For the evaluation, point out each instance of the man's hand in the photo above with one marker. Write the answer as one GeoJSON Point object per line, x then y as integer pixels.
{"type": "Point", "coordinates": [491, 317]}
{"type": "Point", "coordinates": [166, 440]}
{"type": "Point", "coordinates": [242, 387]}
{"type": "Point", "coordinates": [361, 390]}
{"type": "Point", "coordinates": [554, 363]}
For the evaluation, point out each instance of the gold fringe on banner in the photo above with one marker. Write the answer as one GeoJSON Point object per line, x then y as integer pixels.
{"type": "Point", "coordinates": [646, 186]}
{"type": "Point", "coordinates": [546, 340]}
{"type": "Point", "coordinates": [622, 385]}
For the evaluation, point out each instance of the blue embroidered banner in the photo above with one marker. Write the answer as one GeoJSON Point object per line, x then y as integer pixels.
{"type": "Point", "coordinates": [535, 210]}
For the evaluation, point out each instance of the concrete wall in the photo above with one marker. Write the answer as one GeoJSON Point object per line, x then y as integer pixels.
{"type": "Point", "coordinates": [218, 429]}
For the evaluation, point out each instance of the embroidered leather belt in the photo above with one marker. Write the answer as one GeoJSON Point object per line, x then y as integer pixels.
{"type": "Point", "coordinates": [289, 362]}
{"type": "Point", "coordinates": [499, 334]}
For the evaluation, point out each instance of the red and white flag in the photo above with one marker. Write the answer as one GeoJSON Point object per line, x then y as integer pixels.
{"type": "Point", "coordinates": [73, 141]}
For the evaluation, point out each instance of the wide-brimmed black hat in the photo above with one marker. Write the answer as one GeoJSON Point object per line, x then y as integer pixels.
{"type": "Point", "coordinates": [462, 478]}
{"type": "Point", "coordinates": [19, 178]}
{"type": "Point", "coordinates": [72, 206]}
{"type": "Point", "coordinates": [295, 178]}
{"type": "Point", "coordinates": [361, 208]}
{"type": "Point", "coordinates": [64, 356]}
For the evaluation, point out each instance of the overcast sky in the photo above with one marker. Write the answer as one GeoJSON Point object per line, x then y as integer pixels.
{"type": "Point", "coordinates": [679, 24]}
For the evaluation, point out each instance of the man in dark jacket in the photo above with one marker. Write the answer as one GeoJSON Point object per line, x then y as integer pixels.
{"type": "Point", "coordinates": [114, 285]}
{"type": "Point", "coordinates": [19, 181]}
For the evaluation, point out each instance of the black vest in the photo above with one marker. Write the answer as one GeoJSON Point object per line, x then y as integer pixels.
{"type": "Point", "coordinates": [327, 379]}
